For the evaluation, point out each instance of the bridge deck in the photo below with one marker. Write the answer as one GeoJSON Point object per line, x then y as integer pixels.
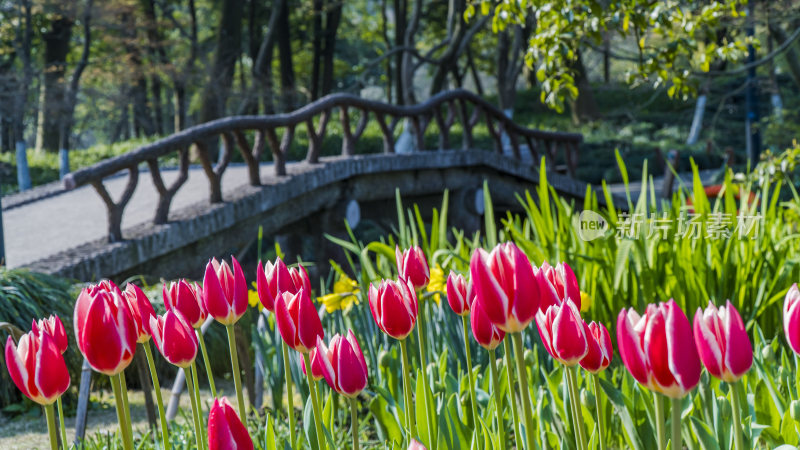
{"type": "Point", "coordinates": [45, 227]}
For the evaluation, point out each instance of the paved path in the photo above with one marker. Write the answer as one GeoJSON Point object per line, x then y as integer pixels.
{"type": "Point", "coordinates": [45, 227]}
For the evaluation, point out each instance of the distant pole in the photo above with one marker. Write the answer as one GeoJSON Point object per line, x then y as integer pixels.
{"type": "Point", "coordinates": [752, 132]}
{"type": "Point", "coordinates": [2, 238]}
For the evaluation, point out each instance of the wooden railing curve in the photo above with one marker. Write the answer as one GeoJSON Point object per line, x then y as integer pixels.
{"type": "Point", "coordinates": [232, 131]}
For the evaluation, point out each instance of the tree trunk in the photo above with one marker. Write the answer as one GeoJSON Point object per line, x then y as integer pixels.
{"type": "Point", "coordinates": [316, 48]}
{"type": "Point", "coordinates": [332, 19]}
{"type": "Point", "coordinates": [56, 41]}
{"type": "Point", "coordinates": [285, 57]}
{"type": "Point", "coordinates": [229, 40]}
{"type": "Point", "coordinates": [584, 107]}
{"type": "Point", "coordinates": [156, 53]}
{"type": "Point", "coordinates": [790, 55]}
{"type": "Point", "coordinates": [181, 79]}
{"type": "Point", "coordinates": [400, 26]}
{"type": "Point", "coordinates": [262, 68]}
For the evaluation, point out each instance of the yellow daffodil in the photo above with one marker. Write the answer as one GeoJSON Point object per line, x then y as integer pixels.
{"type": "Point", "coordinates": [253, 300]}
{"type": "Point", "coordinates": [344, 295]}
{"type": "Point", "coordinates": [437, 283]}
{"type": "Point", "coordinates": [586, 301]}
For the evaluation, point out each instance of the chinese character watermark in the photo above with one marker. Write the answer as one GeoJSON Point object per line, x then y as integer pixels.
{"type": "Point", "coordinates": [687, 225]}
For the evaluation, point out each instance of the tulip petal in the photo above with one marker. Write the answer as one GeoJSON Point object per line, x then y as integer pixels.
{"type": "Point", "coordinates": [17, 369]}
{"type": "Point", "coordinates": [630, 349]}
{"type": "Point", "coordinates": [52, 378]}
{"type": "Point", "coordinates": [739, 352]}
{"type": "Point", "coordinates": [684, 362]}
{"type": "Point", "coordinates": [214, 296]}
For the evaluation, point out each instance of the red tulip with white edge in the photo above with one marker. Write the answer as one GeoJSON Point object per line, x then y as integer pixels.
{"type": "Point", "coordinates": [505, 286]}
{"type": "Point", "coordinates": [412, 265]}
{"type": "Point", "coordinates": [722, 342]}
{"type": "Point", "coordinates": [562, 331]}
{"type": "Point", "coordinates": [394, 307]}
{"type": "Point", "coordinates": [485, 332]}
{"type": "Point", "coordinates": [298, 321]}
{"type": "Point", "coordinates": [174, 338]}
{"type": "Point", "coordinates": [276, 278]}
{"type": "Point", "coordinates": [187, 299]}
{"type": "Point", "coordinates": [141, 310]}
{"type": "Point", "coordinates": [225, 429]}
{"type": "Point", "coordinates": [104, 328]}
{"type": "Point", "coordinates": [460, 293]}
{"type": "Point", "coordinates": [316, 365]}
{"type": "Point", "coordinates": [343, 364]}
{"type": "Point", "coordinates": [658, 349]}
{"type": "Point", "coordinates": [55, 328]}
{"type": "Point", "coordinates": [600, 351]}
{"type": "Point", "coordinates": [791, 318]}
{"type": "Point", "coordinates": [556, 284]}
{"type": "Point", "coordinates": [37, 366]}
{"type": "Point", "coordinates": [225, 291]}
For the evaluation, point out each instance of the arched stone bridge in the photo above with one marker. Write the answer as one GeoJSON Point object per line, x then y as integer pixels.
{"type": "Point", "coordinates": [172, 224]}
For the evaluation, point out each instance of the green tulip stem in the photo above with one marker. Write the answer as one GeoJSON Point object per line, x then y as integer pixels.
{"type": "Point", "coordinates": [127, 440]}
{"type": "Point", "coordinates": [577, 414]}
{"type": "Point", "coordinates": [198, 433]}
{"type": "Point", "coordinates": [314, 402]}
{"type": "Point", "coordinates": [737, 417]}
{"type": "Point", "coordinates": [127, 409]}
{"type": "Point", "coordinates": [207, 363]}
{"type": "Point", "coordinates": [676, 423]}
{"type": "Point", "coordinates": [354, 420]}
{"type": "Point", "coordinates": [525, 394]}
{"type": "Point", "coordinates": [237, 377]}
{"type": "Point", "coordinates": [661, 432]}
{"type": "Point", "coordinates": [465, 323]}
{"type": "Point", "coordinates": [512, 399]}
{"type": "Point", "coordinates": [598, 410]}
{"type": "Point", "coordinates": [159, 402]}
{"type": "Point", "coordinates": [408, 402]}
{"type": "Point", "coordinates": [51, 426]}
{"type": "Point", "coordinates": [199, 402]}
{"type": "Point", "coordinates": [421, 333]}
{"type": "Point", "coordinates": [61, 422]}
{"type": "Point", "coordinates": [498, 400]}
{"type": "Point", "coordinates": [287, 375]}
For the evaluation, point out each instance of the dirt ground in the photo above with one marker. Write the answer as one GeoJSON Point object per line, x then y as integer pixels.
{"type": "Point", "coordinates": [28, 433]}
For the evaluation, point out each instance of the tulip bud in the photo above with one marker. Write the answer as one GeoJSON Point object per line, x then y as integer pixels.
{"type": "Point", "coordinates": [104, 328]}
{"type": "Point", "coordinates": [384, 359]}
{"type": "Point", "coordinates": [174, 338]}
{"type": "Point", "coordinates": [557, 284]}
{"type": "Point", "coordinates": [791, 318]}
{"type": "Point", "coordinates": [725, 411]}
{"type": "Point", "coordinates": [657, 349]}
{"type": "Point", "coordinates": [37, 366]}
{"type": "Point", "coordinates": [225, 291]}
{"type": "Point", "coordinates": [529, 357]}
{"type": "Point", "coordinates": [187, 299]}
{"type": "Point", "coordinates": [141, 311]}
{"type": "Point", "coordinates": [722, 342]}
{"type": "Point", "coordinates": [343, 364]}
{"type": "Point", "coordinates": [55, 328]}
{"type": "Point", "coordinates": [225, 430]}
{"type": "Point", "coordinates": [505, 286]}
{"type": "Point", "coordinates": [459, 294]}
{"type": "Point", "coordinates": [298, 321]}
{"type": "Point", "coordinates": [599, 355]}
{"type": "Point", "coordinates": [587, 400]}
{"type": "Point", "coordinates": [412, 266]}
{"type": "Point", "coordinates": [394, 307]}
{"type": "Point", "coordinates": [767, 354]}
{"type": "Point", "coordinates": [562, 331]}
{"type": "Point", "coordinates": [485, 332]}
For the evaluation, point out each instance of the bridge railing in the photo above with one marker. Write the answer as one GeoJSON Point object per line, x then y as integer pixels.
{"type": "Point", "coordinates": [445, 109]}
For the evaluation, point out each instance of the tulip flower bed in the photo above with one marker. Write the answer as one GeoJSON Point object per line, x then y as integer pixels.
{"type": "Point", "coordinates": [524, 337]}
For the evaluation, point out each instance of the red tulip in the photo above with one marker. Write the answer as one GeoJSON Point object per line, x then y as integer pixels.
{"type": "Point", "coordinates": [55, 328]}
{"type": "Point", "coordinates": [459, 294]}
{"type": "Point", "coordinates": [562, 332]}
{"type": "Point", "coordinates": [298, 321]}
{"type": "Point", "coordinates": [791, 318]}
{"type": "Point", "coordinates": [141, 311]}
{"type": "Point", "coordinates": [275, 279]}
{"type": "Point", "coordinates": [413, 266]}
{"type": "Point", "coordinates": [104, 328]}
{"type": "Point", "coordinates": [505, 286]}
{"type": "Point", "coordinates": [225, 430]}
{"type": "Point", "coordinates": [316, 365]}
{"type": "Point", "coordinates": [187, 299]}
{"type": "Point", "coordinates": [37, 366]}
{"type": "Point", "coordinates": [174, 338]}
{"type": "Point", "coordinates": [486, 333]}
{"type": "Point", "coordinates": [343, 364]}
{"type": "Point", "coordinates": [600, 350]}
{"type": "Point", "coordinates": [394, 307]}
{"type": "Point", "coordinates": [722, 342]}
{"type": "Point", "coordinates": [556, 284]}
{"type": "Point", "coordinates": [658, 349]}
{"type": "Point", "coordinates": [225, 291]}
